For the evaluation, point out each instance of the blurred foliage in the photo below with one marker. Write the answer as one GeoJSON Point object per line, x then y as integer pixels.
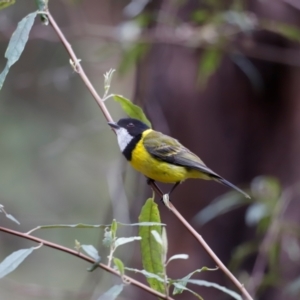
{"type": "Point", "coordinates": [264, 212]}
{"type": "Point", "coordinates": [57, 157]}
{"type": "Point", "coordinates": [6, 3]}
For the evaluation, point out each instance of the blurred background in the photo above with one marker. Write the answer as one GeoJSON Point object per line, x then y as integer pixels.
{"type": "Point", "coordinates": [220, 76]}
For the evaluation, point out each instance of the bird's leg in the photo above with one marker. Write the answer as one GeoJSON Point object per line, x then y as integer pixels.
{"type": "Point", "coordinates": [174, 187]}
{"type": "Point", "coordinates": [154, 186]}
{"type": "Point", "coordinates": [166, 197]}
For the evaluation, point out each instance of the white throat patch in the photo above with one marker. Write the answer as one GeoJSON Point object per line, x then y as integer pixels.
{"type": "Point", "coordinates": [124, 138]}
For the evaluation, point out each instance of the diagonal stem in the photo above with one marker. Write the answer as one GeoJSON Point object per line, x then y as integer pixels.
{"type": "Point", "coordinates": [127, 279]}
{"type": "Point", "coordinates": [78, 68]}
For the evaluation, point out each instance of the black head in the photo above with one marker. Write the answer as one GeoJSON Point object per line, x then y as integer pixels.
{"type": "Point", "coordinates": [133, 126]}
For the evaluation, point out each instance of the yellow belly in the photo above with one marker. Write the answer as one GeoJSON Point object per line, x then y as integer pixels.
{"type": "Point", "coordinates": [158, 170]}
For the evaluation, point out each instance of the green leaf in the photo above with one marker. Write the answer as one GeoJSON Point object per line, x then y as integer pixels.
{"type": "Point", "coordinates": [178, 286]}
{"type": "Point", "coordinates": [119, 264]}
{"type": "Point", "coordinates": [113, 228]}
{"type": "Point", "coordinates": [112, 293]}
{"type": "Point", "coordinates": [131, 56]}
{"type": "Point", "coordinates": [210, 61]}
{"type": "Point", "coordinates": [91, 251]}
{"type": "Point", "coordinates": [6, 3]}
{"type": "Point", "coordinates": [178, 256]}
{"type": "Point", "coordinates": [150, 249]}
{"type": "Point", "coordinates": [125, 240]}
{"type": "Point", "coordinates": [147, 274]}
{"type": "Point", "coordinates": [132, 110]}
{"type": "Point", "coordinates": [11, 262]}
{"type": "Point", "coordinates": [183, 281]}
{"type": "Point", "coordinates": [17, 44]}
{"type": "Point", "coordinates": [216, 286]}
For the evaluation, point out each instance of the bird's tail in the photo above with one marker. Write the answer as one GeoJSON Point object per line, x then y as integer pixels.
{"type": "Point", "coordinates": [227, 183]}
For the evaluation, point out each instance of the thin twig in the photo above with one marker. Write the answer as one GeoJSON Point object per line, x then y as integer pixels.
{"type": "Point", "coordinates": [125, 278]}
{"type": "Point", "coordinates": [200, 239]}
{"type": "Point", "coordinates": [78, 68]}
{"type": "Point", "coordinates": [211, 253]}
{"type": "Point", "coordinates": [102, 106]}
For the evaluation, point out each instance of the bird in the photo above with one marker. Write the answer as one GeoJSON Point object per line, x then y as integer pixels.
{"type": "Point", "coordinates": [161, 157]}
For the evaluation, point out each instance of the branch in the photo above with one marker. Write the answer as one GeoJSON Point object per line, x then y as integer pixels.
{"type": "Point", "coordinates": [125, 278]}
{"type": "Point", "coordinates": [206, 247]}
{"type": "Point", "coordinates": [102, 106]}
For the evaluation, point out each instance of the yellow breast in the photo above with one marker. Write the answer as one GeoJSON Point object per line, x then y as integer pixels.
{"type": "Point", "coordinates": [157, 170]}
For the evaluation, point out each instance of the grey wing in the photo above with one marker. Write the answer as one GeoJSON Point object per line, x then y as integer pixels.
{"type": "Point", "coordinates": [170, 150]}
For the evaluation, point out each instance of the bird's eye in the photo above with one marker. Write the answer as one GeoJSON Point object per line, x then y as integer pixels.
{"type": "Point", "coordinates": [130, 125]}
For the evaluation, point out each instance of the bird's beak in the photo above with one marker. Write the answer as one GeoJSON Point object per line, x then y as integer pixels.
{"type": "Point", "coordinates": [113, 125]}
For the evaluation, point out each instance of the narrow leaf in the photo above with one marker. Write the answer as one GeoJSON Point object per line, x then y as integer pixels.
{"type": "Point", "coordinates": [91, 251]}
{"type": "Point", "coordinates": [147, 274]}
{"type": "Point", "coordinates": [216, 286]}
{"type": "Point", "coordinates": [12, 218]}
{"type": "Point", "coordinates": [114, 227]}
{"type": "Point", "coordinates": [143, 224]}
{"type": "Point", "coordinates": [178, 256]}
{"type": "Point", "coordinates": [119, 264]}
{"type": "Point", "coordinates": [150, 249]}
{"type": "Point", "coordinates": [6, 3]}
{"type": "Point", "coordinates": [184, 280]}
{"type": "Point", "coordinates": [178, 286]}
{"type": "Point", "coordinates": [132, 110]}
{"type": "Point", "coordinates": [80, 225]}
{"type": "Point", "coordinates": [9, 216]}
{"type": "Point", "coordinates": [17, 43]}
{"type": "Point", "coordinates": [125, 240]}
{"type": "Point", "coordinates": [164, 244]}
{"type": "Point", "coordinates": [112, 293]}
{"type": "Point", "coordinates": [11, 262]}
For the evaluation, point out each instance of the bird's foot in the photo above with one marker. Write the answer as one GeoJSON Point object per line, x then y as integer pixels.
{"type": "Point", "coordinates": [149, 181]}
{"type": "Point", "coordinates": [166, 200]}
